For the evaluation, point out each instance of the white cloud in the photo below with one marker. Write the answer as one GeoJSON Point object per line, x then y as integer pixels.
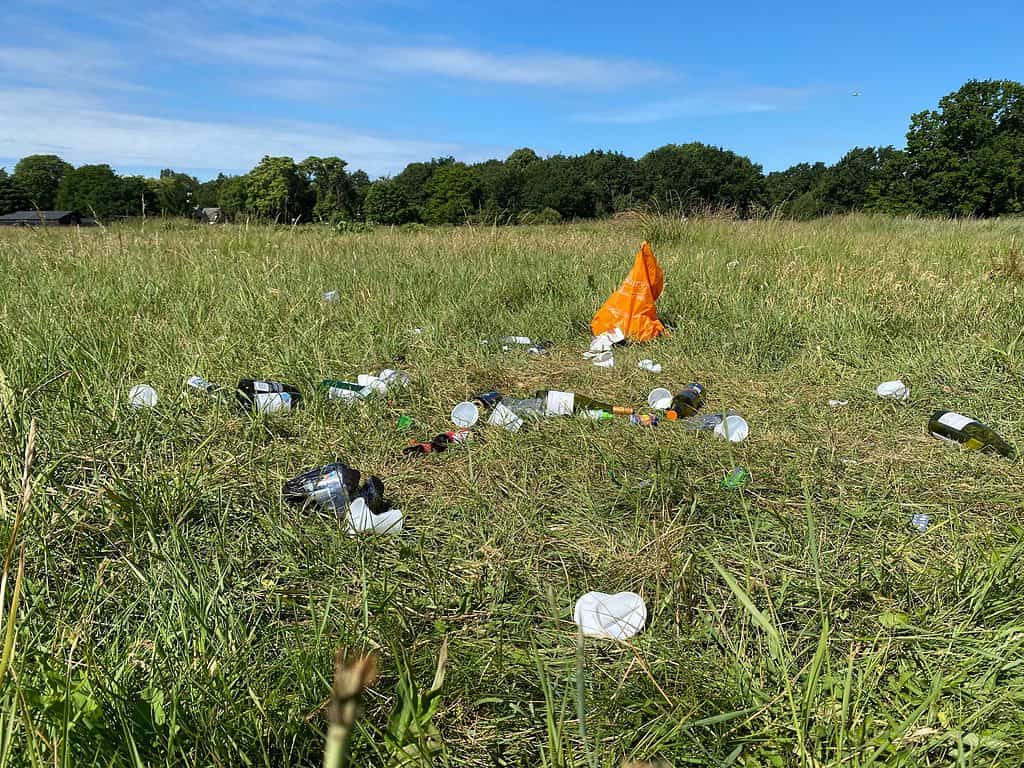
{"type": "Point", "coordinates": [542, 69]}
{"type": "Point", "coordinates": [739, 101]}
{"type": "Point", "coordinates": [83, 131]}
{"type": "Point", "coordinates": [89, 64]}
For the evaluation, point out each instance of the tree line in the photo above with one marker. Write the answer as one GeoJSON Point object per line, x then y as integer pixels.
{"type": "Point", "coordinates": [965, 158]}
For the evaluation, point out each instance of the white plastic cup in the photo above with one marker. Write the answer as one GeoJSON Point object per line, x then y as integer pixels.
{"type": "Point", "coordinates": [613, 617]}
{"type": "Point", "coordinates": [893, 390]}
{"type": "Point", "coordinates": [465, 414]}
{"type": "Point", "coordinates": [504, 417]}
{"type": "Point", "coordinates": [660, 399]}
{"type": "Point", "coordinates": [734, 428]}
{"type": "Point", "coordinates": [142, 396]}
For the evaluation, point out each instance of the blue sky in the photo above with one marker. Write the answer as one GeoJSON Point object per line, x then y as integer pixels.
{"type": "Point", "coordinates": [206, 87]}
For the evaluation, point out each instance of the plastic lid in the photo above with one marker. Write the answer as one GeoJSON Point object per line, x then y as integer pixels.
{"type": "Point", "coordinates": [465, 414]}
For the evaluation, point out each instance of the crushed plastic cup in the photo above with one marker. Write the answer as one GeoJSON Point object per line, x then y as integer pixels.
{"type": "Point", "coordinates": [393, 378]}
{"type": "Point", "coordinates": [649, 365]}
{"type": "Point", "coordinates": [362, 521]}
{"type": "Point", "coordinates": [504, 417]}
{"type": "Point", "coordinates": [603, 360]}
{"type": "Point", "coordinates": [736, 478]}
{"type": "Point", "coordinates": [893, 390]}
{"type": "Point", "coordinates": [733, 428]}
{"type": "Point", "coordinates": [331, 297]}
{"type": "Point", "coordinates": [465, 414]}
{"type": "Point", "coordinates": [613, 617]}
{"type": "Point", "coordinates": [838, 403]}
{"type": "Point", "coordinates": [142, 396]}
{"type": "Point", "coordinates": [660, 399]}
{"type": "Point", "coordinates": [607, 340]}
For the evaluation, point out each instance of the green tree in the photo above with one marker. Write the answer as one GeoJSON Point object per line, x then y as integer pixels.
{"type": "Point", "coordinates": [232, 195]}
{"type": "Point", "coordinates": [522, 159]}
{"type": "Point", "coordinates": [92, 190]}
{"type": "Point", "coordinates": [360, 186]}
{"type": "Point", "coordinates": [501, 188]}
{"type": "Point", "coordinates": [845, 185]}
{"type": "Point", "coordinates": [558, 182]}
{"type": "Point", "coordinates": [12, 196]}
{"type": "Point", "coordinates": [452, 195]}
{"type": "Point", "coordinates": [278, 190]}
{"type": "Point", "coordinates": [792, 192]}
{"type": "Point", "coordinates": [207, 194]}
{"type": "Point", "coordinates": [386, 203]}
{"type": "Point", "coordinates": [334, 197]}
{"type": "Point", "coordinates": [175, 193]}
{"type": "Point", "coordinates": [136, 197]}
{"type": "Point", "coordinates": [39, 177]}
{"type": "Point", "coordinates": [613, 180]}
{"type": "Point", "coordinates": [967, 157]}
{"type": "Point", "coordinates": [413, 182]}
{"type": "Point", "coordinates": [690, 176]}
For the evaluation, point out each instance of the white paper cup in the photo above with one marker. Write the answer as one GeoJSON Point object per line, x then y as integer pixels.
{"type": "Point", "coordinates": [733, 428]}
{"type": "Point", "coordinates": [465, 414]}
{"type": "Point", "coordinates": [660, 399]}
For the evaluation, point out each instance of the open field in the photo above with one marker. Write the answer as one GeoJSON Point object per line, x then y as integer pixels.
{"type": "Point", "coordinates": [174, 612]}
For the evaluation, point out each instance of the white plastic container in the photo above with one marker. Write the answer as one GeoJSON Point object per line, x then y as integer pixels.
{"type": "Point", "coordinates": [465, 414]}
{"type": "Point", "coordinates": [615, 617]}
{"type": "Point", "coordinates": [733, 428]}
{"type": "Point", "coordinates": [660, 399]}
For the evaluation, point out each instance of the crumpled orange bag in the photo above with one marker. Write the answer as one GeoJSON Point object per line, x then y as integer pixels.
{"type": "Point", "coordinates": [631, 307]}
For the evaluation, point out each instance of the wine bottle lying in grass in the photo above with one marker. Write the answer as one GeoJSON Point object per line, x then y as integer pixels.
{"type": "Point", "coordinates": [970, 433]}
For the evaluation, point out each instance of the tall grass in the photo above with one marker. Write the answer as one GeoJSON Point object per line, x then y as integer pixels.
{"type": "Point", "coordinates": [174, 612]}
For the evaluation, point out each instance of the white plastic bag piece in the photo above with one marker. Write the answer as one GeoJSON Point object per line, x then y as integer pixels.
{"type": "Point", "coordinates": [362, 520]}
{"type": "Point", "coordinates": [142, 396]}
{"type": "Point", "coordinates": [604, 361]}
{"type": "Point", "coordinates": [331, 297]}
{"type": "Point", "coordinates": [503, 416]}
{"type": "Point", "coordinates": [838, 403]}
{"type": "Point", "coordinates": [733, 428]}
{"type": "Point", "coordinates": [649, 365]}
{"type": "Point", "coordinates": [393, 378]}
{"type": "Point", "coordinates": [607, 340]}
{"type": "Point", "coordinates": [893, 390]}
{"type": "Point", "coordinates": [614, 617]}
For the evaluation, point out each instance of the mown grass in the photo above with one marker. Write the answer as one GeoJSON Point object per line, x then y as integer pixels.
{"type": "Point", "coordinates": [174, 612]}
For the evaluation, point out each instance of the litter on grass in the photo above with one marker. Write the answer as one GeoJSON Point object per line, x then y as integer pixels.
{"type": "Point", "coordinates": [838, 403]}
{"type": "Point", "coordinates": [660, 399]}
{"type": "Point", "coordinates": [465, 415]}
{"type": "Point", "coordinates": [736, 478]}
{"type": "Point", "coordinates": [142, 396]}
{"type": "Point", "coordinates": [331, 297]}
{"type": "Point", "coordinates": [920, 522]}
{"type": "Point", "coordinates": [893, 390]}
{"type": "Point", "coordinates": [361, 520]}
{"type": "Point", "coordinates": [613, 617]}
{"type": "Point", "coordinates": [604, 342]}
{"type": "Point", "coordinates": [600, 359]}
{"type": "Point", "coordinates": [649, 365]}
{"type": "Point", "coordinates": [631, 307]}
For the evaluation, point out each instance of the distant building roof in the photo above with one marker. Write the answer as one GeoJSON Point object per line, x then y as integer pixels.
{"type": "Point", "coordinates": [39, 217]}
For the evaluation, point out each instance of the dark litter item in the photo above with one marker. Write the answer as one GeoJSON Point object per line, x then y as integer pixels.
{"type": "Point", "coordinates": [331, 486]}
{"type": "Point", "coordinates": [920, 522]}
{"type": "Point", "coordinates": [736, 479]}
{"type": "Point", "coordinates": [972, 434]}
{"type": "Point", "coordinates": [372, 493]}
{"type": "Point", "coordinates": [488, 399]}
{"type": "Point", "coordinates": [439, 443]}
{"type": "Point", "coordinates": [267, 396]}
{"type": "Point", "coordinates": [686, 402]}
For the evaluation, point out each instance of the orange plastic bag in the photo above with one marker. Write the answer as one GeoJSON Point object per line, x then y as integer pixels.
{"type": "Point", "coordinates": [631, 307]}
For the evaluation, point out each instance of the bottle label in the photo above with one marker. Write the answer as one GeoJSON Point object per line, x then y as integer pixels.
{"type": "Point", "coordinates": [340, 393]}
{"type": "Point", "coordinates": [955, 421]}
{"type": "Point", "coordinates": [560, 403]}
{"type": "Point", "coordinates": [273, 402]}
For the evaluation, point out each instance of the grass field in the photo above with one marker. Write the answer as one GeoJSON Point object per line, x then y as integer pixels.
{"type": "Point", "coordinates": [174, 612]}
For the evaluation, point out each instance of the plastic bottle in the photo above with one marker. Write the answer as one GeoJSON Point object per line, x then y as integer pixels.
{"type": "Point", "coordinates": [686, 402]}
{"type": "Point", "coordinates": [331, 486]}
{"type": "Point", "coordinates": [345, 391]}
{"type": "Point", "coordinates": [970, 433]}
{"type": "Point", "coordinates": [729, 425]}
{"type": "Point", "coordinates": [267, 396]}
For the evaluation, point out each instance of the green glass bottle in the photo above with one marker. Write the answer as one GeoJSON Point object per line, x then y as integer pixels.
{"type": "Point", "coordinates": [970, 433]}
